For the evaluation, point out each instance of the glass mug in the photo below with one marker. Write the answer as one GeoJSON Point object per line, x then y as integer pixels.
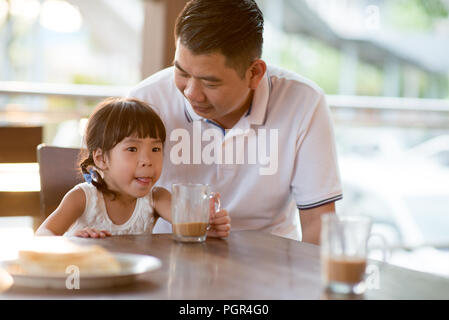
{"type": "Point", "coordinates": [190, 211]}
{"type": "Point", "coordinates": [344, 252]}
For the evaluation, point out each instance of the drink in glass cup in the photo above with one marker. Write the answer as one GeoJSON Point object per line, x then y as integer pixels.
{"type": "Point", "coordinates": [344, 251]}
{"type": "Point", "coordinates": [191, 210]}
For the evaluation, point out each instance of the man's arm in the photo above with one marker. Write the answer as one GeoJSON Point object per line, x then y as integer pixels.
{"type": "Point", "coordinates": [311, 221]}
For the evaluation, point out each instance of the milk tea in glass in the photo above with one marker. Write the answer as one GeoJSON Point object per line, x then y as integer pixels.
{"type": "Point", "coordinates": [191, 210]}
{"type": "Point", "coordinates": [344, 241]}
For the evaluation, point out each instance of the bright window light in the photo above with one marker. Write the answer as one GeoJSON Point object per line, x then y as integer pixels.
{"type": "Point", "coordinates": [26, 9]}
{"type": "Point", "coordinates": [4, 7]}
{"type": "Point", "coordinates": [82, 126]}
{"type": "Point", "coordinates": [60, 16]}
{"type": "Point", "coordinates": [19, 177]}
{"type": "Point", "coordinates": [16, 238]}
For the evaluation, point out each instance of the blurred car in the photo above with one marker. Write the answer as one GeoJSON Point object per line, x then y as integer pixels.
{"type": "Point", "coordinates": [435, 149]}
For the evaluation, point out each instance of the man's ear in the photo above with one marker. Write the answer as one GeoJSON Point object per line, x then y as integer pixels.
{"type": "Point", "coordinates": [256, 72]}
{"type": "Point", "coordinates": [100, 159]}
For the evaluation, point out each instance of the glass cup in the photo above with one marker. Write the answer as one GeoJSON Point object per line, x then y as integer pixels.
{"type": "Point", "coordinates": [191, 205]}
{"type": "Point", "coordinates": [344, 251]}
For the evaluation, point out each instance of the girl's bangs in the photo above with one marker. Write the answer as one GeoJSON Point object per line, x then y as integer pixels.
{"type": "Point", "coordinates": [140, 122]}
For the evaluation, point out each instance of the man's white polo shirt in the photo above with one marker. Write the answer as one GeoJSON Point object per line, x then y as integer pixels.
{"type": "Point", "coordinates": [280, 156]}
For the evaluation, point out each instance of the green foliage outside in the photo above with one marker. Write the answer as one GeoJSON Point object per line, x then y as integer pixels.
{"type": "Point", "coordinates": [369, 80]}
{"type": "Point", "coordinates": [78, 78]}
{"type": "Point", "coordinates": [414, 15]}
{"type": "Point", "coordinates": [69, 104]}
{"type": "Point", "coordinates": [311, 59]}
{"type": "Point", "coordinates": [322, 63]}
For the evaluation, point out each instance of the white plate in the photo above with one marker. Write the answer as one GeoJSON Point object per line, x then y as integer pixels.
{"type": "Point", "coordinates": [132, 265]}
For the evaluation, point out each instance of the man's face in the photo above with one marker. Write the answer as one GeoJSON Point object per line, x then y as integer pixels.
{"type": "Point", "coordinates": [214, 90]}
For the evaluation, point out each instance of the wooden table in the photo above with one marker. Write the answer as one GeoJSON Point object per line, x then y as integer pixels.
{"type": "Point", "coordinates": [248, 265]}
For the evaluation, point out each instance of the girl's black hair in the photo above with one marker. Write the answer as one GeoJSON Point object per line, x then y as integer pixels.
{"type": "Point", "coordinates": [113, 120]}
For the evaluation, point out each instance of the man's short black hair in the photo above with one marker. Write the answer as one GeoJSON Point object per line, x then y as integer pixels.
{"type": "Point", "coordinates": [233, 28]}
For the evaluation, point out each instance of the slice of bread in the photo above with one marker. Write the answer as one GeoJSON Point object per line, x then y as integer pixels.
{"type": "Point", "coordinates": [46, 257]}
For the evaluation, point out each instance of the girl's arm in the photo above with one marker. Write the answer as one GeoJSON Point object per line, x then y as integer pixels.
{"type": "Point", "coordinates": [71, 208]}
{"type": "Point", "coordinates": [162, 202]}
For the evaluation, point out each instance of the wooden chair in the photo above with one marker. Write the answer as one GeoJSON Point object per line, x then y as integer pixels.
{"type": "Point", "coordinates": [59, 172]}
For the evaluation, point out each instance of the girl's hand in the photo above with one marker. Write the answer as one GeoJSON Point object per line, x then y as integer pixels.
{"type": "Point", "coordinates": [220, 224]}
{"type": "Point", "coordinates": [92, 233]}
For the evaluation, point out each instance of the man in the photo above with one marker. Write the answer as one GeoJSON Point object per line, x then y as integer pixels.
{"type": "Point", "coordinates": [260, 136]}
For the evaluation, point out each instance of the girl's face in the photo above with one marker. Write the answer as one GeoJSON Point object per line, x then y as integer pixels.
{"type": "Point", "coordinates": [133, 166]}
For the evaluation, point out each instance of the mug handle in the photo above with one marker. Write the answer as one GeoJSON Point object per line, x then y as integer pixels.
{"type": "Point", "coordinates": [372, 272]}
{"type": "Point", "coordinates": [214, 200]}
{"type": "Point", "coordinates": [385, 249]}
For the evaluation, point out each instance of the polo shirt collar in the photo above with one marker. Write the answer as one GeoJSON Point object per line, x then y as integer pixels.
{"type": "Point", "coordinates": [259, 106]}
{"type": "Point", "coordinates": [257, 111]}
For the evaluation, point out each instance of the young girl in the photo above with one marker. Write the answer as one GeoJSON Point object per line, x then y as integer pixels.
{"type": "Point", "coordinates": [124, 139]}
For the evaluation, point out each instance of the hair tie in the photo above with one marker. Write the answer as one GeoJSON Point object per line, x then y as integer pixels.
{"type": "Point", "coordinates": [88, 176]}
